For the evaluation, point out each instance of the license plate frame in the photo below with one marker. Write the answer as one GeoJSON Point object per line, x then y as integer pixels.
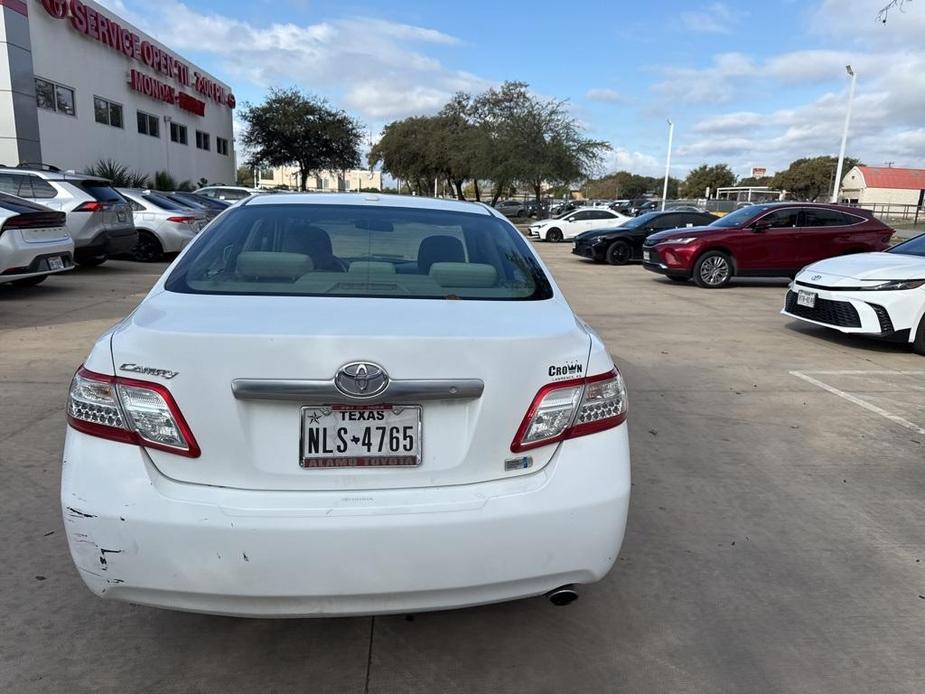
{"type": "Point", "coordinates": [56, 262]}
{"type": "Point", "coordinates": [347, 459]}
{"type": "Point", "coordinates": [806, 299]}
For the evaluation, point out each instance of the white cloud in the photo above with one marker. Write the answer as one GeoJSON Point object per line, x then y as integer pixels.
{"type": "Point", "coordinates": [378, 67]}
{"type": "Point", "coordinates": [605, 95]}
{"type": "Point", "coordinates": [716, 18]}
{"type": "Point", "coordinates": [620, 159]}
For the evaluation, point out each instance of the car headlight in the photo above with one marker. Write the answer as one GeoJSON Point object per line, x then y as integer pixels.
{"type": "Point", "coordinates": [686, 239]}
{"type": "Point", "coordinates": [895, 285]}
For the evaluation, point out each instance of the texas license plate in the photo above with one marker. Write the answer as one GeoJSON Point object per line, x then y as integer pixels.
{"type": "Point", "coordinates": [376, 436]}
{"type": "Point", "coordinates": [55, 263]}
{"type": "Point", "coordinates": [807, 299]}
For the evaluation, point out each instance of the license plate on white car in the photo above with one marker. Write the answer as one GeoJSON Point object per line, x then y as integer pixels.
{"type": "Point", "coordinates": [55, 263]}
{"type": "Point", "coordinates": [807, 299]}
{"type": "Point", "coordinates": [336, 436]}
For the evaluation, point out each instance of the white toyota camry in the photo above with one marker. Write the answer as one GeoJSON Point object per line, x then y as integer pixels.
{"type": "Point", "coordinates": [570, 224]}
{"type": "Point", "coordinates": [347, 404]}
{"type": "Point", "coordinates": [877, 294]}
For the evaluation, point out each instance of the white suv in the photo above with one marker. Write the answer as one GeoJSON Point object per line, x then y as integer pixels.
{"type": "Point", "coordinates": [99, 220]}
{"type": "Point", "coordinates": [347, 404]}
{"type": "Point", "coordinates": [33, 242]}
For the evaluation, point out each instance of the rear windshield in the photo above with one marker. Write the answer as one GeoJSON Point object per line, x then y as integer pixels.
{"type": "Point", "coordinates": [347, 250]}
{"type": "Point", "coordinates": [102, 191]}
{"type": "Point", "coordinates": [165, 203]}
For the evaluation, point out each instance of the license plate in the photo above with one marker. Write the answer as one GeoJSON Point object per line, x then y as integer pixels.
{"type": "Point", "coordinates": [807, 299]}
{"type": "Point", "coordinates": [377, 436]}
{"type": "Point", "coordinates": [55, 263]}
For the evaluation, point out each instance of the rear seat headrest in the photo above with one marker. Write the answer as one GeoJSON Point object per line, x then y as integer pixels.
{"type": "Point", "coordinates": [464, 274]}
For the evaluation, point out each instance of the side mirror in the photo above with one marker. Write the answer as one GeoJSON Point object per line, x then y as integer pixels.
{"type": "Point", "coordinates": [761, 226]}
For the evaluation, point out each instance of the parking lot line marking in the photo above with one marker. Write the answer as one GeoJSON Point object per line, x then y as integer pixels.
{"type": "Point", "coordinates": [878, 372]}
{"type": "Point", "coordinates": [896, 419]}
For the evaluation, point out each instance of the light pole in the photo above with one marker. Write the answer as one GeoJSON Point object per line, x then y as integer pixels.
{"type": "Point", "coordinates": [844, 135]}
{"type": "Point", "coordinates": [667, 164]}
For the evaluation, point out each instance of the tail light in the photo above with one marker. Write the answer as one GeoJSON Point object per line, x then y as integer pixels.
{"type": "Point", "coordinates": [568, 409]}
{"type": "Point", "coordinates": [181, 220]}
{"type": "Point", "coordinates": [130, 411]}
{"type": "Point", "coordinates": [90, 206]}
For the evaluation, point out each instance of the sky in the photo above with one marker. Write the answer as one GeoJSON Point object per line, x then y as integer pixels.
{"type": "Point", "coordinates": [746, 83]}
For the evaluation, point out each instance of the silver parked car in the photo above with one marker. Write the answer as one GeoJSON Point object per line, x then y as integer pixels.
{"type": "Point", "coordinates": [164, 225]}
{"type": "Point", "coordinates": [99, 220]}
{"type": "Point", "coordinates": [33, 242]}
{"type": "Point", "coordinates": [229, 193]}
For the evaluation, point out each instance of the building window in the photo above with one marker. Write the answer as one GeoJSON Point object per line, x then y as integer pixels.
{"type": "Point", "coordinates": [178, 133]}
{"type": "Point", "coordinates": [148, 124]}
{"type": "Point", "coordinates": [107, 112]}
{"type": "Point", "coordinates": [221, 146]}
{"type": "Point", "coordinates": [202, 140]}
{"type": "Point", "coordinates": [266, 174]}
{"type": "Point", "coordinates": [54, 97]}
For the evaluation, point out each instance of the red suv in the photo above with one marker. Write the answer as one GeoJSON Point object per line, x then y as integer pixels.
{"type": "Point", "coordinates": [774, 240]}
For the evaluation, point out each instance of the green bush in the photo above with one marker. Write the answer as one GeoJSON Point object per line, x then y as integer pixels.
{"type": "Point", "coordinates": [119, 174]}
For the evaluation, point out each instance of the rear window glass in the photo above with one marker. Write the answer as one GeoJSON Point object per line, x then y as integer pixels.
{"type": "Point", "coordinates": [102, 191]}
{"type": "Point", "coordinates": [163, 202]}
{"type": "Point", "coordinates": [347, 250]}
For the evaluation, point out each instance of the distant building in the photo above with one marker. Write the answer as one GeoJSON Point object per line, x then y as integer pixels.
{"type": "Point", "coordinates": [749, 194]}
{"type": "Point", "coordinates": [866, 185]}
{"type": "Point", "coordinates": [326, 181]}
{"type": "Point", "coordinates": [79, 83]}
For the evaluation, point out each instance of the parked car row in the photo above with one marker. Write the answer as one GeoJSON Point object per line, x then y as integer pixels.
{"type": "Point", "coordinates": [51, 220]}
{"type": "Point", "coordinates": [845, 274]}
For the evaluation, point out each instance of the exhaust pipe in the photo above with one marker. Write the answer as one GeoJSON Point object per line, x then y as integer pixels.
{"type": "Point", "coordinates": [563, 595]}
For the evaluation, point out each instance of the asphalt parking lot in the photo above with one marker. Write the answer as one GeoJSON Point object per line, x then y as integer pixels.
{"type": "Point", "coordinates": [775, 540]}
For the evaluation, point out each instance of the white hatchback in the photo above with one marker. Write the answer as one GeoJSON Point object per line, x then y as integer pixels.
{"type": "Point", "coordinates": [347, 404]}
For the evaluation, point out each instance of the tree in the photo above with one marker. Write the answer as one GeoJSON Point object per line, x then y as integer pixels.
{"type": "Point", "coordinates": [706, 176]}
{"type": "Point", "coordinates": [244, 176]}
{"type": "Point", "coordinates": [623, 184]}
{"type": "Point", "coordinates": [291, 128]}
{"type": "Point", "coordinates": [810, 178]}
{"type": "Point", "coordinates": [754, 181]}
{"type": "Point", "coordinates": [532, 141]}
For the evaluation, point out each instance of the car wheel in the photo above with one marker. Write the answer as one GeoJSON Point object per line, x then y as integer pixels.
{"type": "Point", "coordinates": [619, 253]}
{"type": "Point", "coordinates": [554, 235]}
{"type": "Point", "coordinates": [918, 345]}
{"type": "Point", "coordinates": [713, 270]}
{"type": "Point", "coordinates": [147, 249]}
{"type": "Point", "coordinates": [29, 281]}
{"type": "Point", "coordinates": [90, 260]}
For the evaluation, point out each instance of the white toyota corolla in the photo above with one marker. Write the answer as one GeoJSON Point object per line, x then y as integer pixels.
{"type": "Point", "coordinates": [876, 294]}
{"type": "Point", "coordinates": [347, 404]}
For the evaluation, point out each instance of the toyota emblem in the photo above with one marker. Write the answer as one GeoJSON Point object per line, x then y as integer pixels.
{"type": "Point", "coordinates": [816, 277]}
{"type": "Point", "coordinates": [361, 379]}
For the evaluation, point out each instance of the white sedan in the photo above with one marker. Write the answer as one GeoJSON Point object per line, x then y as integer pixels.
{"type": "Point", "coordinates": [569, 225]}
{"type": "Point", "coordinates": [34, 242]}
{"type": "Point", "coordinates": [324, 407]}
{"type": "Point", "coordinates": [876, 294]}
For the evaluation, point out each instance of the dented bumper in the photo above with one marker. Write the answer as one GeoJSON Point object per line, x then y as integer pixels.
{"type": "Point", "coordinates": [138, 536]}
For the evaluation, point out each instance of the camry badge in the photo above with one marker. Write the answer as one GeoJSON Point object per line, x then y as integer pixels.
{"type": "Point", "coordinates": [149, 371]}
{"type": "Point", "coordinates": [361, 379]}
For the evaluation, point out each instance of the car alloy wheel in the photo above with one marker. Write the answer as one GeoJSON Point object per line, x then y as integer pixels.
{"type": "Point", "coordinates": [619, 253]}
{"type": "Point", "coordinates": [148, 248]}
{"type": "Point", "coordinates": [713, 270]}
{"type": "Point", "coordinates": [554, 235]}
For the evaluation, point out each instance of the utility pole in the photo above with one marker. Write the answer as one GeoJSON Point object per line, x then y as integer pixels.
{"type": "Point", "coordinates": [667, 164]}
{"type": "Point", "coordinates": [844, 135]}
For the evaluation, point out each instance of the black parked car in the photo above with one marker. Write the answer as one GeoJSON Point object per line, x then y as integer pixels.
{"type": "Point", "coordinates": [622, 244]}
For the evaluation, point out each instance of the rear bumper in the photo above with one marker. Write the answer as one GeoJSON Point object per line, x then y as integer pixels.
{"type": "Point", "coordinates": [174, 237]}
{"type": "Point", "coordinates": [109, 242]}
{"type": "Point", "coordinates": [138, 536]}
{"type": "Point", "coordinates": [20, 259]}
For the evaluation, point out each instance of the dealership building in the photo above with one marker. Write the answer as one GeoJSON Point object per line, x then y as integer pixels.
{"type": "Point", "coordinates": [79, 84]}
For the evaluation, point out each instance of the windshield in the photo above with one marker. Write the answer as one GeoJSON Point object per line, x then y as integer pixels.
{"type": "Point", "coordinates": [641, 220]}
{"type": "Point", "coordinates": [740, 217]}
{"type": "Point", "coordinates": [915, 246]}
{"type": "Point", "coordinates": [348, 250]}
{"type": "Point", "coordinates": [164, 203]}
